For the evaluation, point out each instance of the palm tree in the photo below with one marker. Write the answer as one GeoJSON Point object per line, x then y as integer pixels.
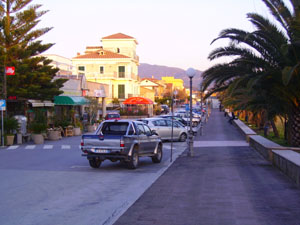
{"type": "Point", "coordinates": [266, 62]}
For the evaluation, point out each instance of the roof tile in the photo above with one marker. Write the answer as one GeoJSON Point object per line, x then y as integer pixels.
{"type": "Point", "coordinates": [103, 54]}
{"type": "Point", "coordinates": [118, 36]}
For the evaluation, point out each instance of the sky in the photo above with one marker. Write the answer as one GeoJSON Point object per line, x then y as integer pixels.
{"type": "Point", "coordinates": [176, 33]}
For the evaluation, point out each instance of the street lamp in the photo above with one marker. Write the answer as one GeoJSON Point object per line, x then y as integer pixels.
{"type": "Point", "coordinates": [191, 73]}
{"type": "Point", "coordinates": [172, 117]}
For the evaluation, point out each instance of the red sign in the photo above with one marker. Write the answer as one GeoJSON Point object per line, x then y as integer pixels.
{"type": "Point", "coordinates": [10, 70]}
{"type": "Point", "coordinates": [12, 97]}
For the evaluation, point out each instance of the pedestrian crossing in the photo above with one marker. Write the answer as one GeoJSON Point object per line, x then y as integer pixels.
{"type": "Point", "coordinates": [46, 147]}
{"type": "Point", "coordinates": [58, 147]}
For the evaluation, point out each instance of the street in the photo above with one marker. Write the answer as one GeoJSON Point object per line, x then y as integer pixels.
{"type": "Point", "coordinates": [53, 184]}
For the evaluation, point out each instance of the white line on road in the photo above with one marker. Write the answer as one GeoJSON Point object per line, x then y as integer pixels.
{"type": "Point", "coordinates": [74, 167]}
{"type": "Point", "coordinates": [13, 147]}
{"type": "Point", "coordinates": [48, 147]}
{"type": "Point", "coordinates": [30, 147]}
{"type": "Point", "coordinates": [65, 147]}
{"type": "Point", "coordinates": [168, 147]}
{"type": "Point", "coordinates": [220, 143]}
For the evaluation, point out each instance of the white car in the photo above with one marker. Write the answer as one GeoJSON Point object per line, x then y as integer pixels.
{"type": "Point", "coordinates": [163, 127]}
{"type": "Point", "coordinates": [186, 116]}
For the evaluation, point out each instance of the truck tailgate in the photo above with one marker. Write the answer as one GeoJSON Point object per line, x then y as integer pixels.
{"type": "Point", "coordinates": [102, 142]}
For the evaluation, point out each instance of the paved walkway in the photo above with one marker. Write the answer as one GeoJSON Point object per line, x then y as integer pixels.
{"type": "Point", "coordinates": [226, 182]}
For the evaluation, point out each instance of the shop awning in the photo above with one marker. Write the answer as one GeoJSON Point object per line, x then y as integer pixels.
{"type": "Point", "coordinates": [70, 100]}
{"type": "Point", "coordinates": [138, 101]}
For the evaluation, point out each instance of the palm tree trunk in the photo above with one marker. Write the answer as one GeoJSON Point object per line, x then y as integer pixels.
{"type": "Point", "coordinates": [294, 126]}
{"type": "Point", "coordinates": [275, 130]}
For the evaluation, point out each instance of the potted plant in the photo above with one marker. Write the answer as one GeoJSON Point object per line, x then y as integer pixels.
{"type": "Point", "coordinates": [11, 125]}
{"type": "Point", "coordinates": [37, 128]}
{"type": "Point", "coordinates": [90, 127]}
{"type": "Point", "coordinates": [77, 128]}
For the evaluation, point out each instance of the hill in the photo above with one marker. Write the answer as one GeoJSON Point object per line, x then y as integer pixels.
{"type": "Point", "coordinates": [156, 71]}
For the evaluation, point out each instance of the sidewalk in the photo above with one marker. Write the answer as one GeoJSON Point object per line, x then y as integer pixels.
{"type": "Point", "coordinates": [231, 184]}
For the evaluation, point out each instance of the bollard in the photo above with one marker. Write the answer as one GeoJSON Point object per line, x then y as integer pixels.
{"type": "Point", "coordinates": [19, 139]}
{"type": "Point", "coordinates": [201, 128]}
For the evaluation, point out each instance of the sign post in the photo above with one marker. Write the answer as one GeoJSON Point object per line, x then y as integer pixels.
{"type": "Point", "coordinates": [2, 108]}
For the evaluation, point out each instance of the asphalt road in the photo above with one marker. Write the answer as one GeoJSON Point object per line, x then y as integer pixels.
{"type": "Point", "coordinates": [52, 184]}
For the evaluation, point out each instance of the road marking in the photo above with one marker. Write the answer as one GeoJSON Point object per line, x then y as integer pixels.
{"type": "Point", "coordinates": [30, 147]}
{"type": "Point", "coordinates": [48, 147]}
{"type": "Point", "coordinates": [74, 167]}
{"type": "Point", "coordinates": [169, 147]}
{"type": "Point", "coordinates": [65, 147]}
{"type": "Point", "coordinates": [13, 147]}
{"type": "Point", "coordinates": [220, 143]}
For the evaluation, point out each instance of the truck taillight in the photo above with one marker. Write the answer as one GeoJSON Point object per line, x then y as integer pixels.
{"type": "Point", "coordinates": [122, 143]}
{"type": "Point", "coordinates": [81, 143]}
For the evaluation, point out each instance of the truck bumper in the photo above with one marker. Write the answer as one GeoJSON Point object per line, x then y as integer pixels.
{"type": "Point", "coordinates": [105, 156]}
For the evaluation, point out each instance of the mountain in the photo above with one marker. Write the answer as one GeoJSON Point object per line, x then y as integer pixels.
{"type": "Point", "coordinates": [156, 71]}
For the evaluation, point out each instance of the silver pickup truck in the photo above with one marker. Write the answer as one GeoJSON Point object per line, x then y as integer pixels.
{"type": "Point", "coordinates": [123, 140]}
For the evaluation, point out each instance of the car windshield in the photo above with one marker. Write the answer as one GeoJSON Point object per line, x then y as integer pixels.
{"type": "Point", "coordinates": [111, 116]}
{"type": "Point", "coordinates": [144, 121]}
{"type": "Point", "coordinates": [115, 128]}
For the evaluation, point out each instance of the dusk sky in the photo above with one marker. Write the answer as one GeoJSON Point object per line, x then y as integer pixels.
{"type": "Point", "coordinates": [173, 33]}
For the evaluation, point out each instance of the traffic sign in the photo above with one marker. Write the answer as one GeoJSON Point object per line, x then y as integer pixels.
{"type": "Point", "coordinates": [10, 70]}
{"type": "Point", "coordinates": [187, 107]}
{"type": "Point", "coordinates": [2, 105]}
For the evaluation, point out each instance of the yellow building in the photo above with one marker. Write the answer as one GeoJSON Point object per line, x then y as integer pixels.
{"type": "Point", "coordinates": [114, 63]}
{"type": "Point", "coordinates": [153, 84]}
{"type": "Point", "coordinates": [176, 83]}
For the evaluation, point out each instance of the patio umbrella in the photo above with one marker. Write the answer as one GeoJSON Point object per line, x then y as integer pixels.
{"type": "Point", "coordinates": [138, 101]}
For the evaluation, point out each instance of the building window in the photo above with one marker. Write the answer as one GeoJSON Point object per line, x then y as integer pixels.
{"type": "Point", "coordinates": [121, 91]}
{"type": "Point", "coordinates": [121, 71]}
{"type": "Point", "coordinates": [81, 68]}
{"type": "Point", "coordinates": [101, 69]}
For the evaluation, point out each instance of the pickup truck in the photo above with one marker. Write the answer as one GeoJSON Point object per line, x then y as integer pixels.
{"type": "Point", "coordinates": [121, 140]}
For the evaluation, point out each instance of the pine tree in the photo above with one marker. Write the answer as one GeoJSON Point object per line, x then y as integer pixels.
{"type": "Point", "coordinates": [20, 47]}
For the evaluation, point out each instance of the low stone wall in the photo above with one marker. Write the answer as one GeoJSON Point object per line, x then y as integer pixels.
{"type": "Point", "coordinates": [288, 162]}
{"type": "Point", "coordinates": [287, 159]}
{"type": "Point", "coordinates": [244, 129]}
{"type": "Point", "coordinates": [263, 146]}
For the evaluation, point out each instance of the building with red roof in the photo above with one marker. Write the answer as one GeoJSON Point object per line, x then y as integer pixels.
{"type": "Point", "coordinates": [114, 63]}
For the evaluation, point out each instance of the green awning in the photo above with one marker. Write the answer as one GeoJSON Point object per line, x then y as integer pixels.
{"type": "Point", "coordinates": [70, 100]}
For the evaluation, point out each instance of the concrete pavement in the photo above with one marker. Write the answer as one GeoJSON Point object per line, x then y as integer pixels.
{"type": "Point", "coordinates": [226, 182]}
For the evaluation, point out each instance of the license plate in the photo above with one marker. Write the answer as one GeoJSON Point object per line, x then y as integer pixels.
{"type": "Point", "coordinates": [101, 151]}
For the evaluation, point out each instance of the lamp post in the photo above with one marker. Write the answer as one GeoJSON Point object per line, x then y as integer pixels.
{"type": "Point", "coordinates": [172, 131]}
{"type": "Point", "coordinates": [191, 73]}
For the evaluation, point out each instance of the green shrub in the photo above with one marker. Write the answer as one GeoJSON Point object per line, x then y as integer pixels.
{"type": "Point", "coordinates": [37, 127]}
{"type": "Point", "coordinates": [10, 125]}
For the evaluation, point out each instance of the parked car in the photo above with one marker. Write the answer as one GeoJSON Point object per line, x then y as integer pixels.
{"type": "Point", "coordinates": [112, 116]}
{"type": "Point", "coordinates": [164, 109]}
{"type": "Point", "coordinates": [122, 140]}
{"type": "Point", "coordinates": [163, 127]}
{"type": "Point", "coordinates": [177, 118]}
{"type": "Point", "coordinates": [186, 116]}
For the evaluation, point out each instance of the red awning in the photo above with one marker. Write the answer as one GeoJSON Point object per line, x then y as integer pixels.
{"type": "Point", "coordinates": [138, 101]}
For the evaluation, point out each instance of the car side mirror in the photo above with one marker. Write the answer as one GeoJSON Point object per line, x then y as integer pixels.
{"type": "Point", "coordinates": [153, 132]}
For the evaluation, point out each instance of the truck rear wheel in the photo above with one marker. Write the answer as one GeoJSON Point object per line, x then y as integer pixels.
{"type": "Point", "coordinates": [95, 163]}
{"type": "Point", "coordinates": [134, 159]}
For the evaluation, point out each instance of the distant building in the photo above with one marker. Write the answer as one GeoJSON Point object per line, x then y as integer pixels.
{"type": "Point", "coordinates": [62, 63]}
{"type": "Point", "coordinates": [153, 84]}
{"type": "Point", "coordinates": [115, 64]}
{"type": "Point", "coordinates": [176, 83]}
